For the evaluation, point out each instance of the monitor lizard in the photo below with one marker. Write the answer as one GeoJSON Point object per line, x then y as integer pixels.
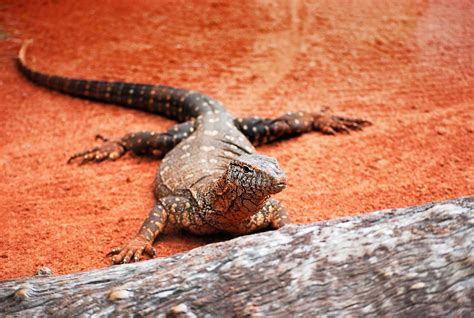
{"type": "Point", "coordinates": [211, 179]}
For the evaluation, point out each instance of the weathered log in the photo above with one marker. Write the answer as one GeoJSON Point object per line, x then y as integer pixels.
{"type": "Point", "coordinates": [400, 262]}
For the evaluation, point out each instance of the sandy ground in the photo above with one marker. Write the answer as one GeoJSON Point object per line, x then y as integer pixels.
{"type": "Point", "coordinates": [405, 65]}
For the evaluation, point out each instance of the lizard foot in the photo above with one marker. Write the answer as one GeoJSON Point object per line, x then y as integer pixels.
{"type": "Point", "coordinates": [330, 124]}
{"type": "Point", "coordinates": [111, 150]}
{"type": "Point", "coordinates": [132, 251]}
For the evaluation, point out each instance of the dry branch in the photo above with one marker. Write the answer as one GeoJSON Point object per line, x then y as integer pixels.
{"type": "Point", "coordinates": [411, 261]}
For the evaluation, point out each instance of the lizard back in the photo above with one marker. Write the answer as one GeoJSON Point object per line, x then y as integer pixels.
{"type": "Point", "coordinates": [201, 158]}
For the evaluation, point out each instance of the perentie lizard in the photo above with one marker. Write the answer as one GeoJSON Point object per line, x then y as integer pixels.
{"type": "Point", "coordinates": [210, 179]}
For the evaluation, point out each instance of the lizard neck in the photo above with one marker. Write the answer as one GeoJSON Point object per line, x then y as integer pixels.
{"type": "Point", "coordinates": [231, 204]}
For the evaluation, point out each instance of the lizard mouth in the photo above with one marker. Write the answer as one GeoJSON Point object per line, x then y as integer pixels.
{"type": "Point", "coordinates": [278, 187]}
{"type": "Point", "coordinates": [281, 186]}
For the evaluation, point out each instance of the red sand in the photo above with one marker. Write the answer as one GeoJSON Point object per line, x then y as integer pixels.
{"type": "Point", "coordinates": [407, 67]}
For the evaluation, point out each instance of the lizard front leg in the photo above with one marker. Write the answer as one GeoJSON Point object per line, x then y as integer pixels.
{"type": "Point", "coordinates": [264, 130]}
{"type": "Point", "coordinates": [140, 143]}
{"type": "Point", "coordinates": [143, 241]}
{"type": "Point", "coordinates": [185, 214]}
{"type": "Point", "coordinates": [273, 215]}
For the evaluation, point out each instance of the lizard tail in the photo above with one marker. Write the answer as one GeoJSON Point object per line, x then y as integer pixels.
{"type": "Point", "coordinates": [22, 52]}
{"type": "Point", "coordinates": [174, 103]}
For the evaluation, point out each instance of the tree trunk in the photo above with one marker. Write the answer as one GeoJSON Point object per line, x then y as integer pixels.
{"type": "Point", "coordinates": [415, 261]}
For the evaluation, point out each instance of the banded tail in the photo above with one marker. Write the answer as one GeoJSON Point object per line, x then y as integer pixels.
{"type": "Point", "coordinates": [174, 103]}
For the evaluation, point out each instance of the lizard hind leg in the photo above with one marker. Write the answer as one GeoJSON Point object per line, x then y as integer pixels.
{"type": "Point", "coordinates": [266, 130]}
{"type": "Point", "coordinates": [140, 143]}
{"type": "Point", "coordinates": [111, 150]}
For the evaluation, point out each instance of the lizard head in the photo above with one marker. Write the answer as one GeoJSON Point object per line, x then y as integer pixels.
{"type": "Point", "coordinates": [257, 175]}
{"type": "Point", "coordinates": [245, 188]}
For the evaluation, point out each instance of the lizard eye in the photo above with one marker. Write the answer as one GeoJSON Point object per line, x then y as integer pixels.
{"type": "Point", "coordinates": [246, 169]}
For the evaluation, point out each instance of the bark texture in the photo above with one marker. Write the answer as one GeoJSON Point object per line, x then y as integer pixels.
{"type": "Point", "coordinates": [400, 262]}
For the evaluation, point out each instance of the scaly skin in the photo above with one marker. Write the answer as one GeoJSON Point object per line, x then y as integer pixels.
{"type": "Point", "coordinates": [211, 179]}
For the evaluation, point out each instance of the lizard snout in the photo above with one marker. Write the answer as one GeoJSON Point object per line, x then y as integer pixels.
{"type": "Point", "coordinates": [279, 183]}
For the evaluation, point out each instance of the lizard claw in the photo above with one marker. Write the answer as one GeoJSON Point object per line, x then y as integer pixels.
{"type": "Point", "coordinates": [102, 138]}
{"type": "Point", "coordinates": [331, 125]}
{"type": "Point", "coordinates": [132, 251]}
{"type": "Point", "coordinates": [109, 150]}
